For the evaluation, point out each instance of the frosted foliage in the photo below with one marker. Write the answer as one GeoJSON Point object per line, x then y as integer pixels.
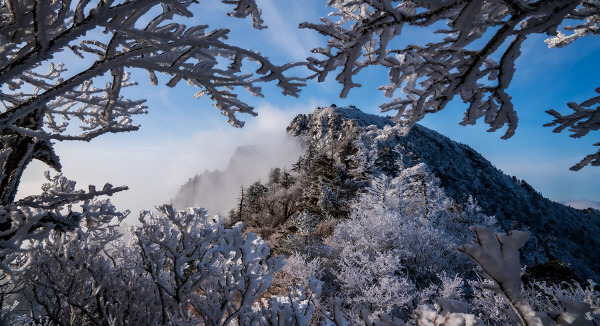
{"type": "Point", "coordinates": [80, 275]}
{"type": "Point", "coordinates": [183, 268]}
{"type": "Point", "coordinates": [422, 194]}
{"type": "Point", "coordinates": [473, 215]}
{"type": "Point", "coordinates": [410, 214]}
{"type": "Point", "coordinates": [60, 207]}
{"type": "Point", "coordinates": [471, 55]}
{"type": "Point", "coordinates": [83, 277]}
{"type": "Point", "coordinates": [298, 270]}
{"type": "Point", "coordinates": [203, 271]}
{"type": "Point", "coordinates": [297, 308]}
{"type": "Point", "coordinates": [488, 304]}
{"type": "Point", "coordinates": [401, 236]}
{"type": "Point", "coordinates": [373, 282]}
{"type": "Point", "coordinates": [451, 287]}
{"type": "Point", "coordinates": [418, 244]}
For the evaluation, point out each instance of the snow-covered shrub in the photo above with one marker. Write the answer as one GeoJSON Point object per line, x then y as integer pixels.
{"type": "Point", "coordinates": [399, 244]}
{"type": "Point", "coordinates": [375, 282]}
{"type": "Point", "coordinates": [85, 276]}
{"type": "Point", "coordinates": [59, 207]}
{"type": "Point", "coordinates": [421, 250]}
{"type": "Point", "coordinates": [451, 288]}
{"type": "Point", "coordinates": [382, 259]}
{"type": "Point", "coordinates": [297, 271]}
{"type": "Point", "coordinates": [202, 271]}
{"type": "Point", "coordinates": [80, 280]}
{"type": "Point", "coordinates": [411, 214]}
{"type": "Point", "coordinates": [551, 298]}
{"type": "Point", "coordinates": [181, 267]}
{"type": "Point", "coordinates": [491, 306]}
{"type": "Point", "coordinates": [296, 287]}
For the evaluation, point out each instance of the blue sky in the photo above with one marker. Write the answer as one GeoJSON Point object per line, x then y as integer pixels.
{"type": "Point", "coordinates": [182, 136]}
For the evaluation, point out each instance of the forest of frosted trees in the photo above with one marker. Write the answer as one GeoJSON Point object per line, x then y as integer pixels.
{"type": "Point", "coordinates": [349, 235]}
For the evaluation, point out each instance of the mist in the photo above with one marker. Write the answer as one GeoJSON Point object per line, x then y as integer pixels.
{"type": "Point", "coordinates": [218, 190]}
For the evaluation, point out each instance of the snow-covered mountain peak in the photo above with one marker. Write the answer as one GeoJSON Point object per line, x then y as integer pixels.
{"type": "Point", "coordinates": [333, 120]}
{"type": "Point", "coordinates": [558, 230]}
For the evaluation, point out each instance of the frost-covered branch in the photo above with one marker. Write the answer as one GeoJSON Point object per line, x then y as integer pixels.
{"type": "Point", "coordinates": [33, 218]}
{"type": "Point", "coordinates": [161, 45]}
{"type": "Point", "coordinates": [497, 254]}
{"type": "Point", "coordinates": [586, 118]}
{"type": "Point", "coordinates": [44, 100]}
{"type": "Point", "coordinates": [473, 57]}
{"type": "Point", "coordinates": [87, 276]}
{"type": "Point", "coordinates": [588, 14]}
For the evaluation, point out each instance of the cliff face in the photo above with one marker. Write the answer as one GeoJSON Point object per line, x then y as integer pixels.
{"type": "Point", "coordinates": [558, 231]}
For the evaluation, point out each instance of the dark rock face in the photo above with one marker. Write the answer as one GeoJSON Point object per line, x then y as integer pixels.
{"type": "Point", "coordinates": [558, 231]}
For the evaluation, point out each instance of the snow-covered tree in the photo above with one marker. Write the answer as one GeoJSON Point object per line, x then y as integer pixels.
{"type": "Point", "coordinates": [471, 55]}
{"type": "Point", "coordinates": [45, 100]}
{"type": "Point", "coordinates": [421, 193]}
{"type": "Point", "coordinates": [398, 246]}
{"type": "Point", "coordinates": [303, 237]}
{"type": "Point", "coordinates": [299, 269]}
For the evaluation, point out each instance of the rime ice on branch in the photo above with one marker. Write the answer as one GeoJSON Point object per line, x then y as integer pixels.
{"type": "Point", "coordinates": [586, 118]}
{"type": "Point", "coordinates": [44, 101]}
{"type": "Point", "coordinates": [41, 98]}
{"type": "Point", "coordinates": [461, 61]}
{"type": "Point", "coordinates": [497, 255]}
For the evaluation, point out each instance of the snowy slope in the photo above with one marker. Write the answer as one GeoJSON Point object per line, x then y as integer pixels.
{"type": "Point", "coordinates": [559, 231]}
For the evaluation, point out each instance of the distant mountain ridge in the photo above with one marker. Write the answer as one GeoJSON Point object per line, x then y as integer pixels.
{"type": "Point", "coordinates": [558, 231]}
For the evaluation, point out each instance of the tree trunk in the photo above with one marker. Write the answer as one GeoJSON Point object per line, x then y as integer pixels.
{"type": "Point", "coordinates": [21, 150]}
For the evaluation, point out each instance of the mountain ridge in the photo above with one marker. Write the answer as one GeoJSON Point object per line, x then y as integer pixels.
{"type": "Point", "coordinates": [558, 231]}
